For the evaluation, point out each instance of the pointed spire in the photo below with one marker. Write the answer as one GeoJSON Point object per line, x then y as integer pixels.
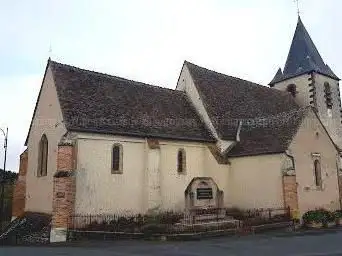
{"type": "Point", "coordinates": [278, 77]}
{"type": "Point", "coordinates": [303, 56]}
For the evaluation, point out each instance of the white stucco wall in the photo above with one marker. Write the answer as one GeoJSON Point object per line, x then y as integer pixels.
{"type": "Point", "coordinates": [302, 87]}
{"type": "Point", "coordinates": [256, 182]}
{"type": "Point", "coordinates": [136, 187]}
{"type": "Point", "coordinates": [200, 163]}
{"type": "Point", "coordinates": [186, 84]}
{"type": "Point", "coordinates": [48, 114]}
{"type": "Point", "coordinates": [332, 122]}
{"type": "Point", "coordinates": [152, 179]}
{"type": "Point", "coordinates": [220, 174]}
{"type": "Point", "coordinates": [100, 191]}
{"type": "Point", "coordinates": [304, 144]}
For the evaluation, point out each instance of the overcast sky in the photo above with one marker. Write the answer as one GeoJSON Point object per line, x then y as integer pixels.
{"type": "Point", "coordinates": [148, 41]}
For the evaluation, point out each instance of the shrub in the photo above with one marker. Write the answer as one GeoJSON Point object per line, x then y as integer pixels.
{"type": "Point", "coordinates": [318, 216]}
{"type": "Point", "coordinates": [338, 214]}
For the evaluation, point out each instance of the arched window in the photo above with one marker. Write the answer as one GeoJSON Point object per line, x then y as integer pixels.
{"type": "Point", "coordinates": [318, 174]}
{"type": "Point", "coordinates": [181, 161]}
{"type": "Point", "coordinates": [327, 95]}
{"type": "Point", "coordinates": [117, 161]}
{"type": "Point", "coordinates": [43, 153]}
{"type": "Point", "coordinates": [291, 88]}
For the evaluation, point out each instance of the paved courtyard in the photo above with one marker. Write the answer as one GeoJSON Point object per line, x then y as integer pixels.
{"type": "Point", "coordinates": [309, 245]}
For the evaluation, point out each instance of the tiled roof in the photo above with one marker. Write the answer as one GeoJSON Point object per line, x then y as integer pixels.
{"type": "Point", "coordinates": [303, 57]}
{"type": "Point", "coordinates": [100, 103]}
{"type": "Point", "coordinates": [269, 135]}
{"type": "Point", "coordinates": [229, 100]}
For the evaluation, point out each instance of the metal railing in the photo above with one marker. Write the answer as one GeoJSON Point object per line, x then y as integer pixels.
{"type": "Point", "coordinates": [192, 221]}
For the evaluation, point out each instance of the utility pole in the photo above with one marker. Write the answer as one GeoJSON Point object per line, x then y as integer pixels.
{"type": "Point", "coordinates": [2, 179]}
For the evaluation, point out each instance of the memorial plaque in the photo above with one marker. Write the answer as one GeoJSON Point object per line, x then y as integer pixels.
{"type": "Point", "coordinates": [204, 193]}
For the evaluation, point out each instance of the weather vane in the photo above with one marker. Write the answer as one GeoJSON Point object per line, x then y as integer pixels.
{"type": "Point", "coordinates": [297, 2]}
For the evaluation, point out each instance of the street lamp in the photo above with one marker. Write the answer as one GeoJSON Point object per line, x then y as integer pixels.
{"type": "Point", "coordinates": [2, 177]}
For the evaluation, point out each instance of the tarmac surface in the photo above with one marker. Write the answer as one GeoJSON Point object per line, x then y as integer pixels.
{"type": "Point", "coordinates": [297, 245]}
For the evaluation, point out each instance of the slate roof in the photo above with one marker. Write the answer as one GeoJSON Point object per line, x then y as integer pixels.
{"type": "Point", "coordinates": [303, 57]}
{"type": "Point", "coordinates": [101, 103]}
{"type": "Point", "coordinates": [229, 100]}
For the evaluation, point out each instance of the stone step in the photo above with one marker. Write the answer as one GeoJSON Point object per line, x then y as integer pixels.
{"type": "Point", "coordinates": [207, 218]}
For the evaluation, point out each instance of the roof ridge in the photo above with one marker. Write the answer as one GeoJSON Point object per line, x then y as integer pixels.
{"type": "Point", "coordinates": [264, 87]}
{"type": "Point", "coordinates": [111, 76]}
{"type": "Point", "coordinates": [223, 74]}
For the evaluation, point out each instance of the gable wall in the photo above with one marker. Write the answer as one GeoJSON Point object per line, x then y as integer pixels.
{"type": "Point", "coordinates": [186, 84]}
{"type": "Point", "coordinates": [303, 145]}
{"type": "Point", "coordinates": [48, 114]}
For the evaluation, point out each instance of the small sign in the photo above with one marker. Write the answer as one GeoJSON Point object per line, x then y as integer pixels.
{"type": "Point", "coordinates": [60, 194]}
{"type": "Point", "coordinates": [204, 193]}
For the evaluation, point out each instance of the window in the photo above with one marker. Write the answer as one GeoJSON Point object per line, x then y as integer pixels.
{"type": "Point", "coordinates": [291, 88]}
{"type": "Point", "coordinates": [181, 161]}
{"type": "Point", "coordinates": [318, 173]}
{"type": "Point", "coordinates": [42, 156]}
{"type": "Point", "coordinates": [117, 153]}
{"type": "Point", "coordinates": [327, 95]}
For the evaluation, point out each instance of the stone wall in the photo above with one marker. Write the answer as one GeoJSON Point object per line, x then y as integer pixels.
{"type": "Point", "coordinates": [19, 194]}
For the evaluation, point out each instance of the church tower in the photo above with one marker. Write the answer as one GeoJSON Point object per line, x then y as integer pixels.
{"type": "Point", "coordinates": [311, 82]}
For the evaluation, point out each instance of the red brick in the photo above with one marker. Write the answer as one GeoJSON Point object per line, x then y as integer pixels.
{"type": "Point", "coordinates": [19, 194]}
{"type": "Point", "coordinates": [64, 187]}
{"type": "Point", "coordinates": [65, 158]}
{"type": "Point", "coordinates": [290, 192]}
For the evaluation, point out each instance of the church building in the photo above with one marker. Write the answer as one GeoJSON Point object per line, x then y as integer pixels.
{"type": "Point", "coordinates": [101, 144]}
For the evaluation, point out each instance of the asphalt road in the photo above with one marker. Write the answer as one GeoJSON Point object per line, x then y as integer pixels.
{"type": "Point", "coordinates": [309, 245]}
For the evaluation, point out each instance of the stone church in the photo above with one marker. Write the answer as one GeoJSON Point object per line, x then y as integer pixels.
{"type": "Point", "coordinates": [101, 144]}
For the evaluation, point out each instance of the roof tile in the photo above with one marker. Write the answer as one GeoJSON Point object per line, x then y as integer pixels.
{"type": "Point", "coordinates": [100, 103]}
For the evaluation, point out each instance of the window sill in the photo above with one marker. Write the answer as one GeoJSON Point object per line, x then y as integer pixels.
{"type": "Point", "coordinates": [117, 172]}
{"type": "Point", "coordinates": [42, 176]}
{"type": "Point", "coordinates": [181, 173]}
{"type": "Point", "coordinates": [313, 188]}
{"type": "Point", "coordinates": [319, 189]}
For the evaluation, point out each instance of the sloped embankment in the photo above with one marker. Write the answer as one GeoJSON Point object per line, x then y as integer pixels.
{"type": "Point", "coordinates": [32, 228]}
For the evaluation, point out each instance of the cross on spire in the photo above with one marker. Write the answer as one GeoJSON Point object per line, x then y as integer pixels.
{"type": "Point", "coordinates": [50, 51]}
{"type": "Point", "coordinates": [297, 2]}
